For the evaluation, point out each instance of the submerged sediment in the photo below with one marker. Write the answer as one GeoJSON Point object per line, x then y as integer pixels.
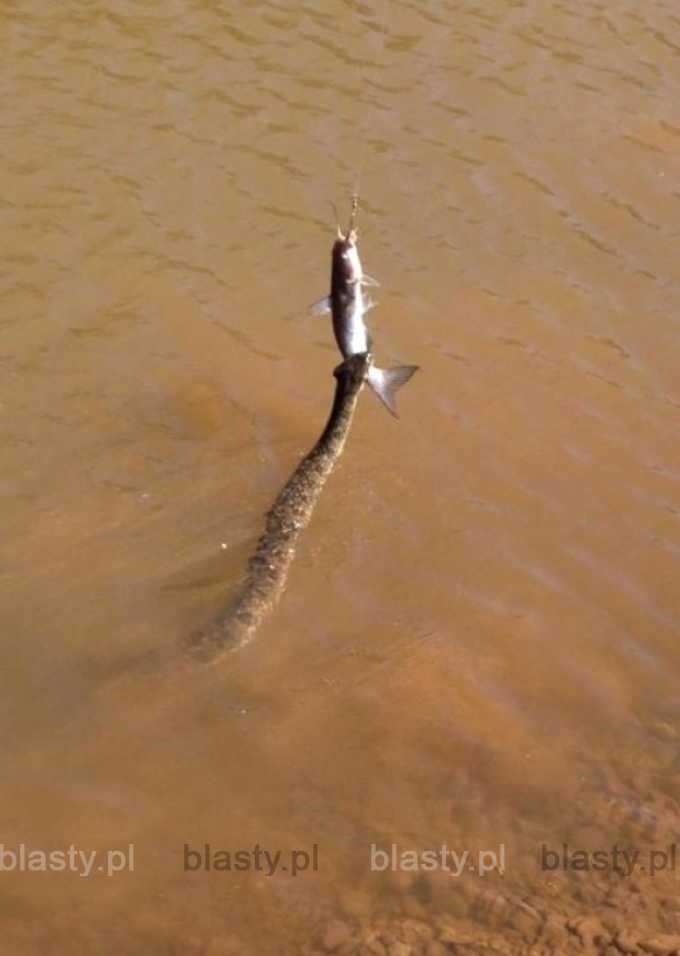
{"type": "Point", "coordinates": [289, 515]}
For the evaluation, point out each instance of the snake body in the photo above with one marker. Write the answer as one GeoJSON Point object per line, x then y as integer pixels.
{"type": "Point", "coordinates": [289, 515]}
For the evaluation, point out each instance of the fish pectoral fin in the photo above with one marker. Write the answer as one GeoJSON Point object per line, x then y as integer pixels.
{"type": "Point", "coordinates": [322, 307]}
{"type": "Point", "coordinates": [369, 281]}
{"type": "Point", "coordinates": [369, 304]}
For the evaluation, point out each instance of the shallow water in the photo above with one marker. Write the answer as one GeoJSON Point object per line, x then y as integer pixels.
{"type": "Point", "coordinates": [478, 645]}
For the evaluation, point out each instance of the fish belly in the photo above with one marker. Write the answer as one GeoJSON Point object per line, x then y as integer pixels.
{"type": "Point", "coordinates": [357, 333]}
{"type": "Point", "coordinates": [358, 339]}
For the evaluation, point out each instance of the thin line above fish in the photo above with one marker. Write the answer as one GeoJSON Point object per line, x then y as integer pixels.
{"type": "Point", "coordinates": [349, 306]}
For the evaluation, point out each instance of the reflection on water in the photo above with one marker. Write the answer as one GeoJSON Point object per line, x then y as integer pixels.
{"type": "Point", "coordinates": [478, 645]}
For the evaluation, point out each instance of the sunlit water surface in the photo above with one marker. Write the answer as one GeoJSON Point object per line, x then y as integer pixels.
{"type": "Point", "coordinates": [479, 641]}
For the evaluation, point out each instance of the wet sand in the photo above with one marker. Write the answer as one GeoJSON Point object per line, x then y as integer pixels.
{"type": "Point", "coordinates": [478, 644]}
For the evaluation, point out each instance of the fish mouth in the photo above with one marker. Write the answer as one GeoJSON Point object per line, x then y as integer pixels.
{"type": "Point", "coordinates": [350, 238]}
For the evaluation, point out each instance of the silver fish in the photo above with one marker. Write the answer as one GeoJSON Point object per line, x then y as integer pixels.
{"type": "Point", "coordinates": [349, 306]}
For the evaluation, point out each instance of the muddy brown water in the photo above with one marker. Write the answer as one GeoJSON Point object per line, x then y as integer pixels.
{"type": "Point", "coordinates": [478, 646]}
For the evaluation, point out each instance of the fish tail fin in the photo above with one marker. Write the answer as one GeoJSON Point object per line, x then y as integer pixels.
{"type": "Point", "coordinates": [386, 381]}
